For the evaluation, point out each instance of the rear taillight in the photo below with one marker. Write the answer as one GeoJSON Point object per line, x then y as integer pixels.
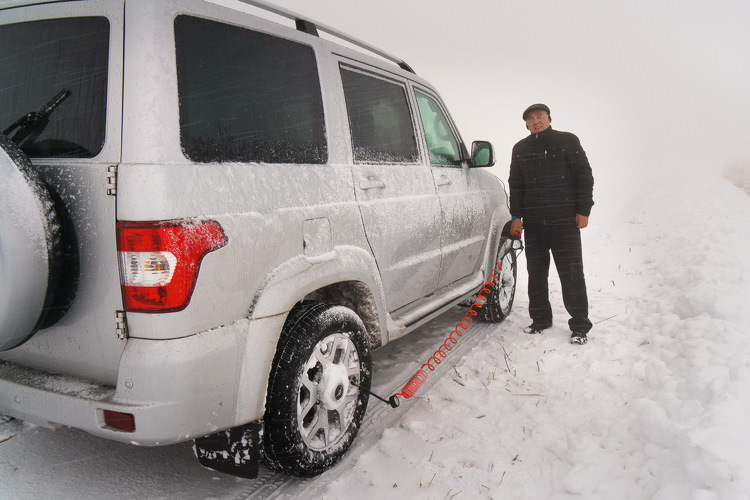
{"type": "Point", "coordinates": [159, 261]}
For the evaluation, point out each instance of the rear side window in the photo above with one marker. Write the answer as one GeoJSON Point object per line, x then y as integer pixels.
{"type": "Point", "coordinates": [247, 96]}
{"type": "Point", "coordinates": [379, 119]}
{"type": "Point", "coordinates": [64, 58]}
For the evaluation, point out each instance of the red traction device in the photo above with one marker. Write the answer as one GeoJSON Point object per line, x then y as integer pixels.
{"type": "Point", "coordinates": [413, 385]}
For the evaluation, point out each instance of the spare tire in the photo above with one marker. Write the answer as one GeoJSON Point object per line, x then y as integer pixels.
{"type": "Point", "coordinates": [30, 240]}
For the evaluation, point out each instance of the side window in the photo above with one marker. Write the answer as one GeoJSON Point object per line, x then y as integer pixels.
{"type": "Point", "coordinates": [247, 96]}
{"type": "Point", "coordinates": [441, 142]}
{"type": "Point", "coordinates": [379, 118]}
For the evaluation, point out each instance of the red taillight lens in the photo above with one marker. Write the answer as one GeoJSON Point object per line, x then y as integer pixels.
{"type": "Point", "coordinates": [122, 421]}
{"type": "Point", "coordinates": [159, 261]}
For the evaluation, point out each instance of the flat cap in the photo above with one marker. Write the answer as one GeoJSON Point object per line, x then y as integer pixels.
{"type": "Point", "coordinates": [534, 107]}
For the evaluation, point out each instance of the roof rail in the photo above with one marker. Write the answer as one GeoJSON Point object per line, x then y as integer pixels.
{"type": "Point", "coordinates": [312, 27]}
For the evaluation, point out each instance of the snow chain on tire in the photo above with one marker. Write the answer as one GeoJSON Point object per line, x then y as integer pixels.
{"type": "Point", "coordinates": [500, 300]}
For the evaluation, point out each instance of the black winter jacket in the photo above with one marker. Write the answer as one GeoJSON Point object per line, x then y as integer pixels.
{"type": "Point", "coordinates": [550, 179]}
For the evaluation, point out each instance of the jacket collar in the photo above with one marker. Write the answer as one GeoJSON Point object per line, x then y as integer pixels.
{"type": "Point", "coordinates": [543, 133]}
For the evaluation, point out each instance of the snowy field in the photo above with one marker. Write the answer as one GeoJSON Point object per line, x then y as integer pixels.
{"type": "Point", "coordinates": [653, 407]}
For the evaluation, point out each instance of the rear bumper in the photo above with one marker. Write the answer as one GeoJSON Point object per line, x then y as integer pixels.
{"type": "Point", "coordinates": [176, 389]}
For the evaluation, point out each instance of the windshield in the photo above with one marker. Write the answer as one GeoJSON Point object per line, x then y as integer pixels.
{"type": "Point", "coordinates": [40, 58]}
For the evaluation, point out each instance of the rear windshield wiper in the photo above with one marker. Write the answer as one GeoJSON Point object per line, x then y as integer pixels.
{"type": "Point", "coordinates": [35, 121]}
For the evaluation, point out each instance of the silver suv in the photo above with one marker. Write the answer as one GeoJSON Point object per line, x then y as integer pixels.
{"type": "Point", "coordinates": [208, 219]}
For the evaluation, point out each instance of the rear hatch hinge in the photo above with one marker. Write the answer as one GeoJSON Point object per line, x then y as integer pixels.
{"type": "Point", "coordinates": [112, 180]}
{"type": "Point", "coordinates": [121, 325]}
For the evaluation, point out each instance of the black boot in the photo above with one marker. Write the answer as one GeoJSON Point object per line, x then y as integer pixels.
{"type": "Point", "coordinates": [537, 327]}
{"type": "Point", "coordinates": [578, 338]}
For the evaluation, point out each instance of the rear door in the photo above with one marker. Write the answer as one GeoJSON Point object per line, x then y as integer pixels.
{"type": "Point", "coordinates": [394, 187]}
{"type": "Point", "coordinates": [73, 50]}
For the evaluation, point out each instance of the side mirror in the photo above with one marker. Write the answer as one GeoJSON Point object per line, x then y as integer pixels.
{"type": "Point", "coordinates": [482, 154]}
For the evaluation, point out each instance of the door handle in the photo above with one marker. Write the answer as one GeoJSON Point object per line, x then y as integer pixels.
{"type": "Point", "coordinates": [444, 181]}
{"type": "Point", "coordinates": [371, 183]}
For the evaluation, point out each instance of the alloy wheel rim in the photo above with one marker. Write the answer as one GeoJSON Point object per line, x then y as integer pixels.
{"type": "Point", "coordinates": [328, 392]}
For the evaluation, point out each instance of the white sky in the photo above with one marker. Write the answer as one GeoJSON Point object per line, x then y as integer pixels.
{"type": "Point", "coordinates": [649, 86]}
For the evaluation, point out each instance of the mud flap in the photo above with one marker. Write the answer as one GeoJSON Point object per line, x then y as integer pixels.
{"type": "Point", "coordinates": [235, 451]}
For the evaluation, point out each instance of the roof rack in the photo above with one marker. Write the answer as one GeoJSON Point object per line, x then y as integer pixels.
{"type": "Point", "coordinates": [312, 27]}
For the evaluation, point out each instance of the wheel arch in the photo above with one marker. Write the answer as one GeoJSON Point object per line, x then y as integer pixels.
{"type": "Point", "coordinates": [358, 297]}
{"type": "Point", "coordinates": [346, 276]}
{"type": "Point", "coordinates": [499, 229]}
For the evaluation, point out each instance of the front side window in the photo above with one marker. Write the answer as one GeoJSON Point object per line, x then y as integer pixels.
{"type": "Point", "coordinates": [247, 96]}
{"type": "Point", "coordinates": [441, 142]}
{"type": "Point", "coordinates": [57, 69]}
{"type": "Point", "coordinates": [379, 119]}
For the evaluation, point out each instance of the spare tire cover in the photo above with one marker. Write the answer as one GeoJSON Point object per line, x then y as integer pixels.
{"type": "Point", "coordinates": [29, 235]}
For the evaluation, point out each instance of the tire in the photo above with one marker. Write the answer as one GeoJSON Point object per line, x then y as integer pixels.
{"type": "Point", "coordinates": [313, 407]}
{"type": "Point", "coordinates": [500, 300]}
{"type": "Point", "coordinates": [30, 245]}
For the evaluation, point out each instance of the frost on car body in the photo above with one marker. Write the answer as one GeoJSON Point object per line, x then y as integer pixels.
{"type": "Point", "coordinates": [229, 197]}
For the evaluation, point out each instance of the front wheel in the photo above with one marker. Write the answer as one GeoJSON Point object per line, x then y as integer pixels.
{"type": "Point", "coordinates": [500, 300]}
{"type": "Point", "coordinates": [317, 389]}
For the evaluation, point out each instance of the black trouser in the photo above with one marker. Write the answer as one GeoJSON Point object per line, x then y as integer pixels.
{"type": "Point", "coordinates": [564, 241]}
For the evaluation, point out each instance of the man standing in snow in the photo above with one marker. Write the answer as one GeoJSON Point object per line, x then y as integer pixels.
{"type": "Point", "coordinates": [551, 189]}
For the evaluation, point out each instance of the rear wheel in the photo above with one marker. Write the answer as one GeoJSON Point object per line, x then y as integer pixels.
{"type": "Point", "coordinates": [30, 246]}
{"type": "Point", "coordinates": [317, 390]}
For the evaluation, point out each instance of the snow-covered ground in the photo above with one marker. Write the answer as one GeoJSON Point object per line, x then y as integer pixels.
{"type": "Point", "coordinates": [653, 407]}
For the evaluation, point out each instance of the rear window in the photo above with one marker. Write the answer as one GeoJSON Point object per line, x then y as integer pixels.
{"type": "Point", "coordinates": [247, 96]}
{"type": "Point", "coordinates": [63, 58]}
